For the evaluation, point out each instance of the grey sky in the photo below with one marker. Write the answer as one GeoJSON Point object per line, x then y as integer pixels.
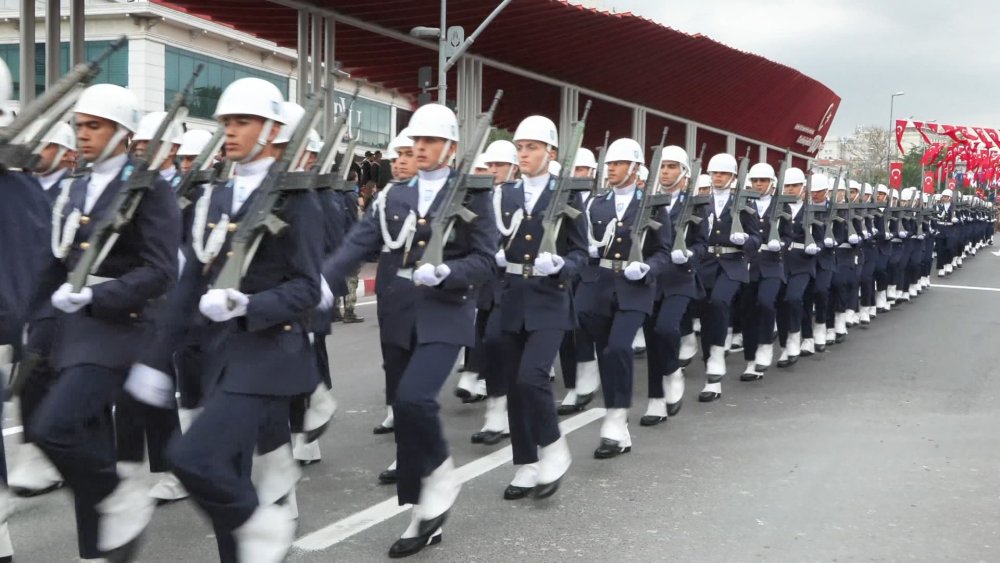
{"type": "Point", "coordinates": [942, 55]}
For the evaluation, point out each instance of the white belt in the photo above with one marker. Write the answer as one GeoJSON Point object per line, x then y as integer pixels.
{"type": "Point", "coordinates": [526, 270]}
{"type": "Point", "coordinates": [896, 240]}
{"type": "Point", "coordinates": [717, 250]}
{"type": "Point", "coordinates": [96, 280]}
{"type": "Point", "coordinates": [613, 265]}
{"type": "Point", "coordinates": [797, 246]}
{"type": "Point", "coordinates": [845, 245]}
{"type": "Point", "coordinates": [405, 273]}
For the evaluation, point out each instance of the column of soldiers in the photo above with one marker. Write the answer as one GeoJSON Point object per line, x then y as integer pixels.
{"type": "Point", "coordinates": [222, 272]}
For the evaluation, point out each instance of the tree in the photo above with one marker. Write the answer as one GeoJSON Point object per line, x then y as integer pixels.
{"type": "Point", "coordinates": [868, 154]}
{"type": "Point", "coordinates": [912, 169]}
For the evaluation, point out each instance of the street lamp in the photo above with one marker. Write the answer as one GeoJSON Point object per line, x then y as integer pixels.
{"type": "Point", "coordinates": [888, 156]}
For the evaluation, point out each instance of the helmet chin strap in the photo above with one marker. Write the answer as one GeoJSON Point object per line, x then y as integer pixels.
{"type": "Point", "coordinates": [113, 142]}
{"type": "Point", "coordinates": [265, 132]}
{"type": "Point", "coordinates": [631, 170]}
{"type": "Point", "coordinates": [444, 153]}
{"type": "Point", "coordinates": [510, 173]}
{"type": "Point", "coordinates": [685, 173]}
{"type": "Point", "coordinates": [545, 162]}
{"type": "Point", "coordinates": [55, 161]}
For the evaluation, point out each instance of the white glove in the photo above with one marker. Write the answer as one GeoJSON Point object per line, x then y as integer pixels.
{"type": "Point", "coordinates": [866, 235]}
{"type": "Point", "coordinates": [151, 386]}
{"type": "Point", "coordinates": [430, 276]}
{"type": "Point", "coordinates": [501, 258]}
{"type": "Point", "coordinates": [326, 300]}
{"type": "Point", "coordinates": [774, 246]}
{"type": "Point", "coordinates": [854, 239]}
{"type": "Point", "coordinates": [888, 236]}
{"type": "Point", "coordinates": [903, 234]}
{"type": "Point", "coordinates": [828, 242]}
{"type": "Point", "coordinates": [680, 256]}
{"type": "Point", "coordinates": [215, 304]}
{"type": "Point", "coordinates": [548, 264]}
{"type": "Point", "coordinates": [738, 238]}
{"type": "Point", "coordinates": [920, 237]}
{"type": "Point", "coordinates": [68, 302]}
{"type": "Point", "coordinates": [635, 271]}
{"type": "Point", "coordinates": [592, 250]}
{"type": "Point", "coordinates": [874, 230]}
{"type": "Point", "coordinates": [812, 250]}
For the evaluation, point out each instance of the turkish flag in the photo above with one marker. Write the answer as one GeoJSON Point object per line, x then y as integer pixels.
{"type": "Point", "coordinates": [952, 132]}
{"type": "Point", "coordinates": [900, 129]}
{"type": "Point", "coordinates": [983, 136]}
{"type": "Point", "coordinates": [932, 127]}
{"type": "Point", "coordinates": [993, 135]}
{"type": "Point", "coordinates": [928, 182]}
{"type": "Point", "coordinates": [930, 154]}
{"type": "Point", "coordinates": [920, 129]}
{"type": "Point", "coordinates": [896, 175]}
{"type": "Point", "coordinates": [952, 184]}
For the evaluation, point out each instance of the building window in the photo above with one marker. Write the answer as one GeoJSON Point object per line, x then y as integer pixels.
{"type": "Point", "coordinates": [372, 120]}
{"type": "Point", "coordinates": [114, 70]}
{"type": "Point", "coordinates": [213, 79]}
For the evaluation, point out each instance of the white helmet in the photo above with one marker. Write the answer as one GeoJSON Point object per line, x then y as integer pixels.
{"type": "Point", "coordinates": [882, 189]}
{"type": "Point", "coordinates": [643, 173]}
{"type": "Point", "coordinates": [151, 122]}
{"type": "Point", "coordinates": [820, 183]}
{"type": "Point", "coordinates": [314, 143]}
{"type": "Point", "coordinates": [251, 96]}
{"type": "Point", "coordinates": [626, 150]}
{"type": "Point", "coordinates": [867, 189]}
{"type": "Point", "coordinates": [480, 162]}
{"type": "Point", "coordinates": [193, 142]}
{"type": "Point", "coordinates": [61, 134]}
{"type": "Point", "coordinates": [762, 170]}
{"type": "Point", "coordinates": [292, 114]}
{"type": "Point", "coordinates": [434, 120]}
{"type": "Point", "coordinates": [907, 193]}
{"type": "Point", "coordinates": [722, 162]}
{"type": "Point", "coordinates": [537, 128]}
{"type": "Point", "coordinates": [554, 168]}
{"type": "Point", "coordinates": [585, 158]}
{"type": "Point", "coordinates": [673, 153]}
{"type": "Point", "coordinates": [402, 141]}
{"type": "Point", "coordinates": [895, 194]}
{"type": "Point", "coordinates": [6, 83]}
{"type": "Point", "coordinates": [854, 185]}
{"type": "Point", "coordinates": [501, 151]}
{"type": "Point", "coordinates": [110, 102]}
{"type": "Point", "coordinates": [704, 181]}
{"type": "Point", "coordinates": [794, 176]}
{"type": "Point", "coordinates": [948, 192]}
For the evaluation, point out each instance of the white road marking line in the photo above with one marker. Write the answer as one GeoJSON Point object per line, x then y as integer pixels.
{"type": "Point", "coordinates": [360, 521]}
{"type": "Point", "coordinates": [13, 430]}
{"type": "Point", "coordinates": [933, 285]}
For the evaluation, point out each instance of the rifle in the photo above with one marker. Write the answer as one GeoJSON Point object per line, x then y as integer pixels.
{"type": "Point", "coordinates": [687, 216]}
{"type": "Point", "coordinates": [741, 196]}
{"type": "Point", "coordinates": [649, 202]}
{"type": "Point", "coordinates": [453, 205]}
{"type": "Point", "coordinates": [560, 203]}
{"type": "Point", "coordinates": [20, 143]}
{"type": "Point", "coordinates": [851, 230]}
{"type": "Point", "coordinates": [145, 172]}
{"type": "Point", "coordinates": [202, 170]}
{"type": "Point", "coordinates": [810, 209]}
{"type": "Point", "coordinates": [778, 204]}
{"type": "Point", "coordinates": [337, 181]}
{"type": "Point", "coordinates": [831, 214]}
{"type": "Point", "coordinates": [600, 178]}
{"type": "Point", "coordinates": [262, 216]}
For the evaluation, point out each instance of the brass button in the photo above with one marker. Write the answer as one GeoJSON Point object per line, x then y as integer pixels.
{"type": "Point", "coordinates": [84, 219]}
{"type": "Point", "coordinates": [395, 217]}
{"type": "Point", "coordinates": [465, 297]}
{"type": "Point", "coordinates": [617, 256]}
{"type": "Point", "coordinates": [421, 243]}
{"type": "Point", "coordinates": [421, 221]}
{"type": "Point", "coordinates": [599, 222]}
{"type": "Point", "coordinates": [472, 287]}
{"type": "Point", "coordinates": [507, 213]}
{"type": "Point", "coordinates": [229, 254]}
{"type": "Point", "coordinates": [84, 245]}
{"type": "Point", "coordinates": [287, 328]}
{"type": "Point", "coordinates": [562, 286]}
{"type": "Point", "coordinates": [620, 224]}
{"type": "Point", "coordinates": [232, 227]}
{"type": "Point", "coordinates": [210, 225]}
{"type": "Point", "coordinates": [133, 315]}
{"type": "Point", "coordinates": [619, 239]}
{"type": "Point", "coordinates": [528, 217]}
{"type": "Point", "coordinates": [527, 257]}
{"type": "Point", "coordinates": [527, 237]}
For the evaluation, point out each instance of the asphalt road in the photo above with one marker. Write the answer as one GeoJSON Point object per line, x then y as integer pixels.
{"type": "Point", "coordinates": [884, 448]}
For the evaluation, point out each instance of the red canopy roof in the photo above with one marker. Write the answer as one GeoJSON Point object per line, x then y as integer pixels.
{"type": "Point", "coordinates": [620, 55]}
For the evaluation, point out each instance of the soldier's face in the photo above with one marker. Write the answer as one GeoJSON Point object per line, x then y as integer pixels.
{"type": "Point", "coordinates": [854, 194]}
{"type": "Point", "coordinates": [406, 164]}
{"type": "Point", "coordinates": [186, 163]}
{"type": "Point", "coordinates": [818, 197]}
{"type": "Point", "coordinates": [583, 172]}
{"type": "Point", "coordinates": [93, 134]}
{"type": "Point", "coordinates": [531, 156]}
{"type": "Point", "coordinates": [721, 180]}
{"type": "Point", "coordinates": [946, 199]}
{"type": "Point", "coordinates": [670, 171]}
{"type": "Point", "coordinates": [880, 198]}
{"type": "Point", "coordinates": [761, 185]}
{"type": "Point", "coordinates": [309, 160]}
{"type": "Point", "coordinates": [428, 151]}
{"type": "Point", "coordinates": [793, 189]}
{"type": "Point", "coordinates": [501, 171]}
{"type": "Point", "coordinates": [68, 160]}
{"type": "Point", "coordinates": [618, 173]}
{"type": "Point", "coordinates": [46, 157]}
{"type": "Point", "coordinates": [242, 132]}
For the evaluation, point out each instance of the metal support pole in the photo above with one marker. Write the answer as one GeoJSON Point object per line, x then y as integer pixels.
{"type": "Point", "coordinates": [316, 62]}
{"type": "Point", "coordinates": [442, 41]}
{"type": "Point", "coordinates": [27, 51]}
{"type": "Point", "coordinates": [331, 77]}
{"type": "Point", "coordinates": [763, 155]}
{"type": "Point", "coordinates": [302, 45]}
{"type": "Point", "coordinates": [691, 141]}
{"type": "Point", "coordinates": [52, 67]}
{"type": "Point", "coordinates": [569, 111]}
{"type": "Point", "coordinates": [77, 46]}
{"type": "Point", "coordinates": [639, 126]}
{"type": "Point", "coordinates": [731, 146]}
{"type": "Point", "coordinates": [472, 38]}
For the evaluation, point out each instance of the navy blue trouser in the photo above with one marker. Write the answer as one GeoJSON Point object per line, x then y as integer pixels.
{"type": "Point", "coordinates": [790, 306]}
{"type": "Point", "coordinates": [140, 427]}
{"type": "Point", "coordinates": [663, 340]}
{"type": "Point", "coordinates": [37, 384]}
{"type": "Point", "coordinates": [613, 336]}
{"type": "Point", "coordinates": [73, 427]}
{"type": "Point", "coordinates": [420, 443]}
{"type": "Point", "coordinates": [577, 347]}
{"type": "Point", "coordinates": [189, 363]}
{"type": "Point", "coordinates": [531, 411]}
{"type": "Point", "coordinates": [821, 295]}
{"type": "Point", "coordinates": [716, 311]}
{"type": "Point", "coordinates": [492, 356]}
{"type": "Point", "coordinates": [759, 311]}
{"type": "Point", "coordinates": [215, 457]}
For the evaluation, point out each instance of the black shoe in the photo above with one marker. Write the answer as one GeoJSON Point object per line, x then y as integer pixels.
{"type": "Point", "coordinates": [686, 363]}
{"type": "Point", "coordinates": [584, 400]}
{"type": "Point", "coordinates": [337, 317]}
{"type": "Point", "coordinates": [408, 546]}
{"type": "Point", "coordinates": [820, 348]}
{"type": "Point", "coordinates": [651, 420]}
{"type": "Point", "coordinates": [564, 410]}
{"type": "Point", "coordinates": [472, 399]}
{"type": "Point", "coordinates": [751, 377]}
{"type": "Point", "coordinates": [302, 463]}
{"type": "Point", "coordinates": [513, 492]}
{"type": "Point", "coordinates": [840, 338]}
{"type": "Point", "coordinates": [316, 433]}
{"type": "Point", "coordinates": [864, 324]}
{"type": "Point", "coordinates": [760, 368]}
{"type": "Point", "coordinates": [388, 477]}
{"type": "Point", "coordinates": [351, 319]}
{"type": "Point", "coordinates": [383, 429]}
{"type": "Point", "coordinates": [610, 448]}
{"type": "Point", "coordinates": [124, 553]}
{"type": "Point", "coordinates": [735, 349]}
{"type": "Point", "coordinates": [708, 396]}
{"type": "Point", "coordinates": [674, 408]}
{"type": "Point", "coordinates": [639, 352]}
{"type": "Point", "coordinates": [546, 490]}
{"type": "Point", "coordinates": [28, 493]}
{"type": "Point", "coordinates": [489, 437]}
{"type": "Point", "coordinates": [788, 363]}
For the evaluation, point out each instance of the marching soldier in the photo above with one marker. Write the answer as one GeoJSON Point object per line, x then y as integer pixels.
{"type": "Point", "coordinates": [870, 252]}
{"type": "Point", "coordinates": [800, 271]}
{"type": "Point", "coordinates": [54, 162]}
{"type": "Point", "coordinates": [103, 324]}
{"type": "Point", "coordinates": [192, 143]}
{"type": "Point", "coordinates": [426, 313]}
{"type": "Point", "coordinates": [817, 299]}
